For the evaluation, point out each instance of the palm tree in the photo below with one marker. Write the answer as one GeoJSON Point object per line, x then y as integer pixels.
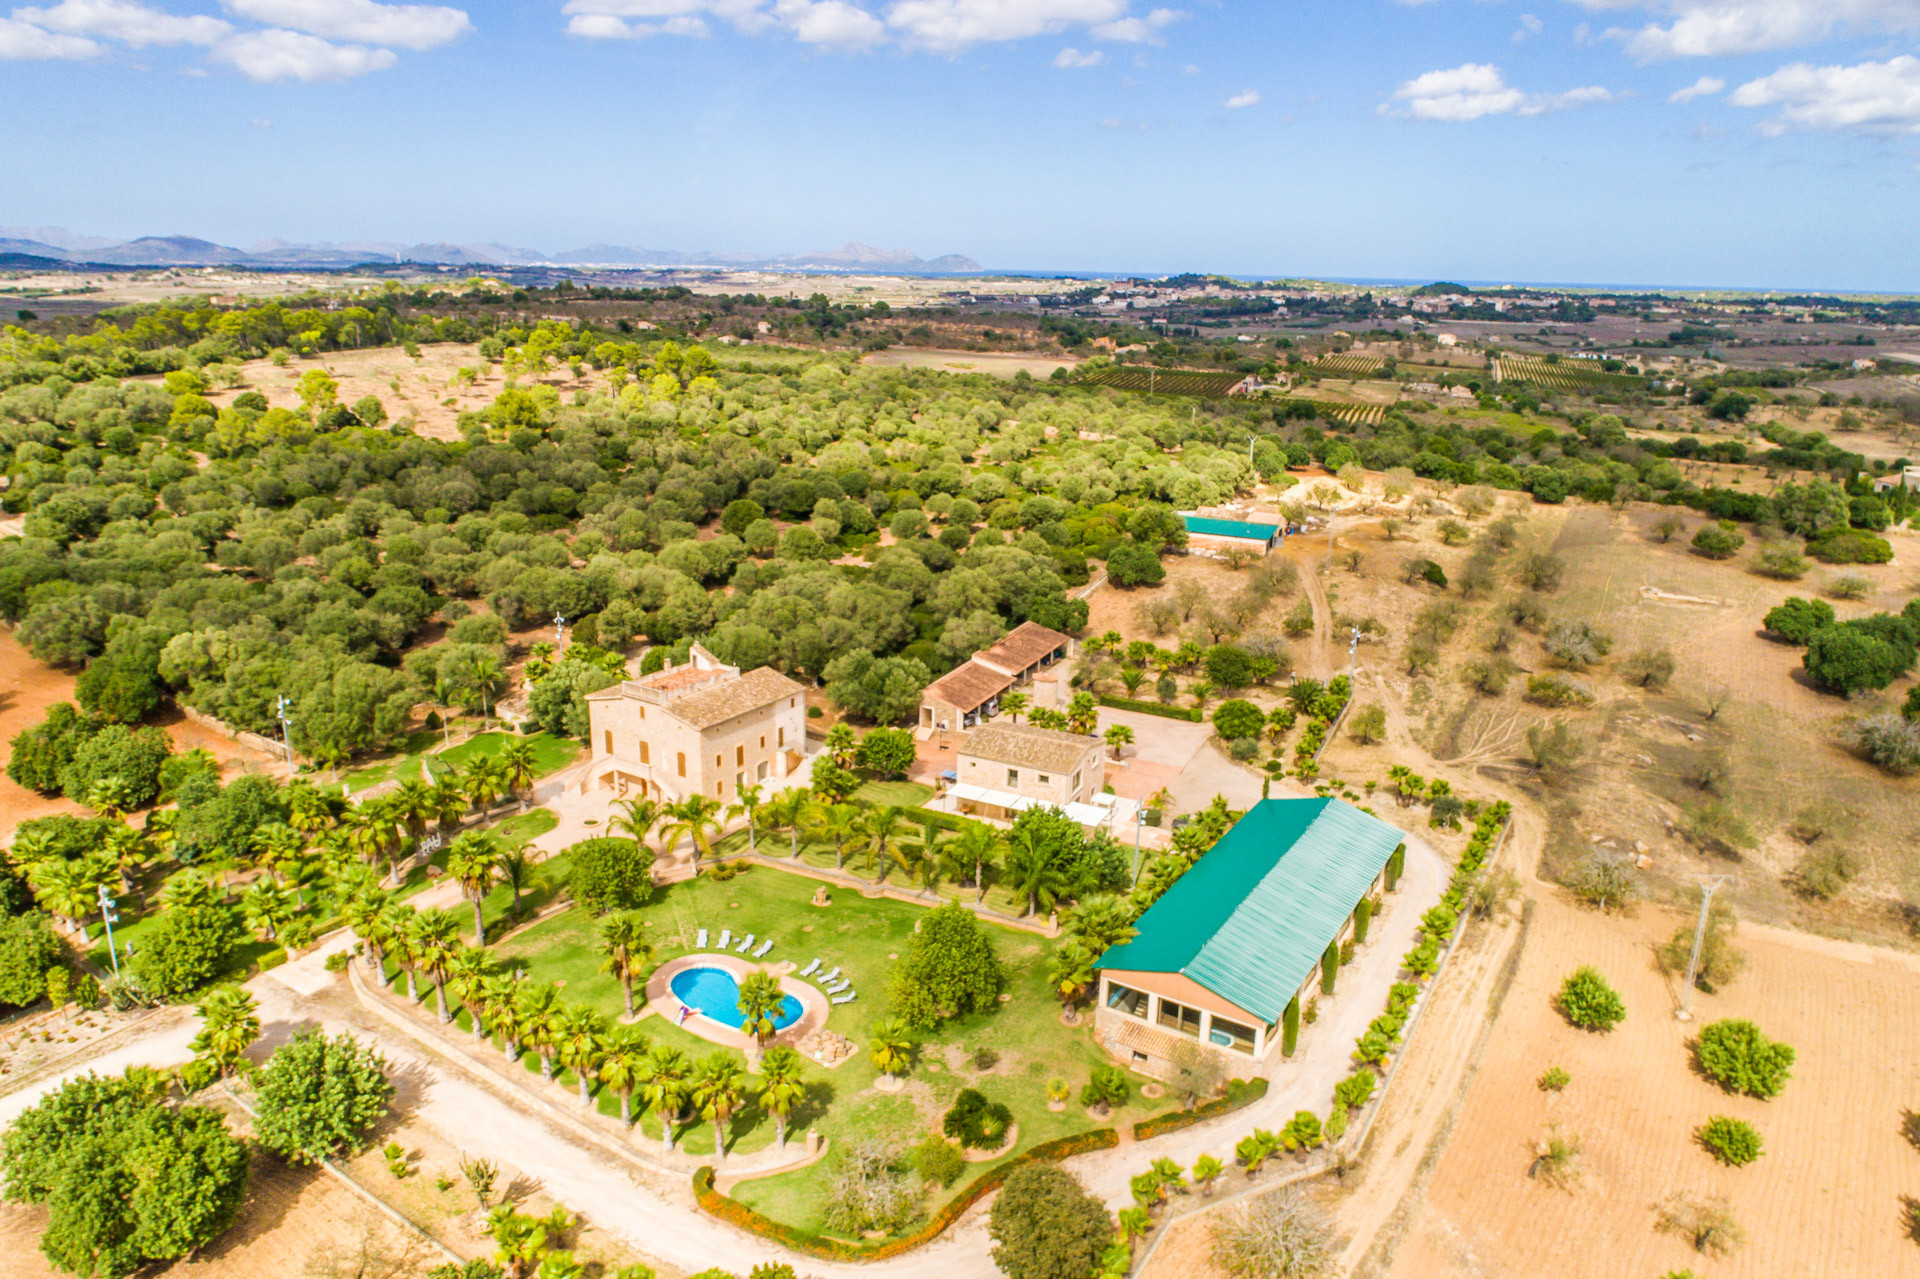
{"type": "Point", "coordinates": [506, 1013]}
{"type": "Point", "coordinates": [881, 837]}
{"type": "Point", "coordinates": [111, 797]}
{"type": "Point", "coordinates": [695, 818]}
{"type": "Point", "coordinates": [483, 782]}
{"type": "Point", "coordinates": [627, 950]}
{"type": "Point", "coordinates": [637, 818]}
{"type": "Point", "coordinates": [760, 1000]}
{"type": "Point", "coordinates": [781, 1087]}
{"type": "Point", "coordinates": [577, 1041]}
{"type": "Point", "coordinates": [1118, 735]}
{"type": "Point", "coordinates": [540, 1009]}
{"type": "Point", "coordinates": [473, 859]}
{"type": "Point", "coordinates": [129, 851]}
{"type": "Point", "coordinates": [890, 1049]}
{"type": "Point", "coordinates": [518, 767]}
{"type": "Point", "coordinates": [515, 870]}
{"type": "Point", "coordinates": [749, 807]}
{"type": "Point", "coordinates": [470, 975]}
{"type": "Point", "coordinates": [1102, 922]}
{"type": "Point", "coordinates": [1031, 870]}
{"type": "Point", "coordinates": [449, 804]}
{"type": "Point", "coordinates": [623, 1062]}
{"type": "Point", "coordinates": [309, 810]}
{"type": "Point", "coordinates": [663, 1086]}
{"type": "Point", "coordinates": [435, 937]}
{"type": "Point", "coordinates": [719, 1086]}
{"type": "Point", "coordinates": [979, 845]}
{"type": "Point", "coordinates": [841, 743]}
{"type": "Point", "coordinates": [229, 1023]}
{"type": "Point", "coordinates": [68, 889]}
{"type": "Point", "coordinates": [1013, 704]}
{"type": "Point", "coordinates": [1070, 971]}
{"type": "Point", "coordinates": [367, 915]}
{"type": "Point", "coordinates": [787, 811]}
{"type": "Point", "coordinates": [1082, 713]}
{"type": "Point", "coordinates": [414, 805]}
{"type": "Point", "coordinates": [479, 678]}
{"type": "Point", "coordinates": [267, 907]}
{"type": "Point", "coordinates": [1131, 678]}
{"type": "Point", "coordinates": [840, 823]}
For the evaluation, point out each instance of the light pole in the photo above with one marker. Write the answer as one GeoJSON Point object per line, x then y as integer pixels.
{"type": "Point", "coordinates": [559, 632]}
{"type": "Point", "coordinates": [108, 914]}
{"type": "Point", "coordinates": [280, 706]}
{"type": "Point", "coordinates": [1353, 647]}
{"type": "Point", "coordinates": [1708, 887]}
{"type": "Point", "coordinates": [1139, 814]}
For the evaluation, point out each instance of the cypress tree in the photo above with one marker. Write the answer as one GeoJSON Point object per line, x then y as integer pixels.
{"type": "Point", "coordinates": [1362, 916]}
{"type": "Point", "coordinates": [1290, 1028]}
{"type": "Point", "coordinates": [1329, 967]}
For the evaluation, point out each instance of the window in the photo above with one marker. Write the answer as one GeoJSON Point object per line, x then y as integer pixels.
{"type": "Point", "coordinates": [683, 763]}
{"type": "Point", "coordinates": [1045, 780]}
{"type": "Point", "coordinates": [763, 741]}
{"type": "Point", "coordinates": [739, 756]}
{"type": "Point", "coordinates": [719, 760]}
{"type": "Point", "coordinates": [762, 774]}
{"type": "Point", "coordinates": [609, 740]}
{"type": "Point", "coordinates": [1126, 999]}
{"type": "Point", "coordinates": [1139, 1058]}
{"type": "Point", "coordinates": [1231, 1034]}
{"type": "Point", "coordinates": [1076, 783]}
{"type": "Point", "coordinates": [1180, 1019]}
{"type": "Point", "coordinates": [643, 712]}
{"type": "Point", "coordinates": [783, 737]}
{"type": "Point", "coordinates": [1013, 777]}
{"type": "Point", "coordinates": [739, 780]}
{"type": "Point", "coordinates": [643, 754]}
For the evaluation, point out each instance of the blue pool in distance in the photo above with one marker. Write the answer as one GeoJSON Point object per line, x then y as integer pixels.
{"type": "Point", "coordinates": [712, 992]}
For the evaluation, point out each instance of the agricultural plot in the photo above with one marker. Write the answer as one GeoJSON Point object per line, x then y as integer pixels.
{"type": "Point", "coordinates": [1559, 376]}
{"type": "Point", "coordinates": [1349, 366]}
{"type": "Point", "coordinates": [1355, 414]}
{"type": "Point", "coordinates": [1206, 386]}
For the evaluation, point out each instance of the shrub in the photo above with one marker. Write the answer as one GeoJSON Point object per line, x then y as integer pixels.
{"type": "Point", "coordinates": [1849, 587]}
{"type": "Point", "coordinates": [1732, 1141]}
{"type": "Point", "coordinates": [1542, 573]}
{"type": "Point", "coordinates": [320, 1097]}
{"type": "Point", "coordinates": [1576, 644]}
{"type": "Point", "coordinates": [1850, 658]}
{"type": "Point", "coordinates": [1715, 827]}
{"type": "Point", "coordinates": [1717, 541]}
{"type": "Point", "coordinates": [1649, 668]}
{"type": "Point", "coordinates": [1796, 620]}
{"type": "Point", "coordinates": [1720, 962]}
{"type": "Point", "coordinates": [949, 969]}
{"type": "Point", "coordinates": [1850, 546]}
{"type": "Point", "coordinates": [1888, 739]}
{"type": "Point", "coordinates": [1557, 691]}
{"type": "Point", "coordinates": [975, 1122]}
{"type": "Point", "coordinates": [1822, 873]}
{"type": "Point", "coordinates": [1706, 1224]}
{"type": "Point", "coordinates": [1275, 1235]}
{"type": "Point", "coordinates": [1738, 1057]}
{"type": "Point", "coordinates": [939, 1160]}
{"type": "Point", "coordinates": [28, 949]}
{"type": "Point", "coordinates": [1236, 719]}
{"type": "Point", "coordinates": [1356, 1089]}
{"type": "Point", "coordinates": [1779, 559]}
{"type": "Point", "coordinates": [1605, 880]}
{"type": "Point", "coordinates": [1046, 1226]}
{"type": "Point", "coordinates": [1587, 1001]}
{"type": "Point", "coordinates": [186, 947]}
{"type": "Point", "coordinates": [610, 874]}
{"type": "Point", "coordinates": [1553, 1079]}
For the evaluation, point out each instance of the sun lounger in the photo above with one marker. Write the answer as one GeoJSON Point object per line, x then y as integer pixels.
{"type": "Point", "coordinates": [839, 986]}
{"type": "Point", "coordinates": [726, 939]}
{"type": "Point", "coordinates": [810, 969]}
{"type": "Point", "coordinates": [824, 978]}
{"type": "Point", "coordinates": [741, 949]}
{"type": "Point", "coordinates": [846, 998]}
{"type": "Point", "coordinates": [764, 947]}
{"type": "Point", "coordinates": [702, 943]}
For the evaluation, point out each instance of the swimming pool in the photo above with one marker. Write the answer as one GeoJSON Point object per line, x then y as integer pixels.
{"type": "Point", "coordinates": [712, 992]}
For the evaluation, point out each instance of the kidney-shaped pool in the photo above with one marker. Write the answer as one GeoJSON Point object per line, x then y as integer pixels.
{"type": "Point", "coordinates": [713, 992]}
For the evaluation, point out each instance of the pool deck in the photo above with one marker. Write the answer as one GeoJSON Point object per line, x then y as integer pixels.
{"type": "Point", "coordinates": [662, 1002]}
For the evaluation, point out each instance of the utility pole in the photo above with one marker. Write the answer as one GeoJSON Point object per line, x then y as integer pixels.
{"type": "Point", "coordinates": [109, 915]}
{"type": "Point", "coordinates": [280, 705]}
{"type": "Point", "coordinates": [1708, 887]}
{"type": "Point", "coordinates": [1139, 814]}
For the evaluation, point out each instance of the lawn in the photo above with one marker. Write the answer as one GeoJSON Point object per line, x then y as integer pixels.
{"type": "Point", "coordinates": [550, 755]}
{"type": "Point", "coordinates": [862, 937]}
{"type": "Point", "coordinates": [903, 794]}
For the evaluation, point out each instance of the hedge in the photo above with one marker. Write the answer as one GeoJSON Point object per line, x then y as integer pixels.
{"type": "Point", "coordinates": [941, 821]}
{"type": "Point", "coordinates": [1192, 714]}
{"type": "Point", "coordinates": [1239, 1093]}
{"type": "Point", "coordinates": [733, 1212]}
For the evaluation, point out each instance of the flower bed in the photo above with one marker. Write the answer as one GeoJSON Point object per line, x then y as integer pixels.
{"type": "Point", "coordinates": [1190, 714]}
{"type": "Point", "coordinates": [736, 1213]}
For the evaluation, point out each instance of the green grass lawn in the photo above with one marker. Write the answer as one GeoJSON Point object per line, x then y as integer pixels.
{"type": "Point", "coordinates": [904, 794]}
{"type": "Point", "coordinates": [860, 936]}
{"type": "Point", "coordinates": [820, 853]}
{"type": "Point", "coordinates": [550, 755]}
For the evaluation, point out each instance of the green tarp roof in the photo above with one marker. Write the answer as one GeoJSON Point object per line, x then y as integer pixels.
{"type": "Point", "coordinates": [1253, 916]}
{"type": "Point", "coordinates": [1231, 528]}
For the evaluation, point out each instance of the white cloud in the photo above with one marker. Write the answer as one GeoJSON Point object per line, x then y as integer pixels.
{"type": "Point", "coordinates": [409, 26]}
{"type": "Point", "coordinates": [1706, 86]}
{"type": "Point", "coordinates": [954, 24]}
{"type": "Point", "coordinates": [1475, 90]}
{"type": "Point", "coordinates": [833, 22]}
{"type": "Point", "coordinates": [1244, 98]}
{"type": "Point", "coordinates": [292, 55]}
{"type": "Point", "coordinates": [1529, 26]}
{"type": "Point", "coordinates": [20, 42]}
{"type": "Point", "coordinates": [604, 26]}
{"type": "Point", "coordinates": [1872, 97]}
{"type": "Point", "coordinates": [1070, 58]}
{"type": "Point", "coordinates": [1719, 28]}
{"type": "Point", "coordinates": [1138, 30]}
{"type": "Point", "coordinates": [129, 23]}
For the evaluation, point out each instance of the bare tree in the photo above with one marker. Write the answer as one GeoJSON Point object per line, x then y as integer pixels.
{"type": "Point", "coordinates": [1283, 1235]}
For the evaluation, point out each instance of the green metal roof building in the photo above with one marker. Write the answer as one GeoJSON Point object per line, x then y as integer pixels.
{"type": "Point", "coordinates": [1240, 530]}
{"type": "Point", "coordinates": [1222, 953]}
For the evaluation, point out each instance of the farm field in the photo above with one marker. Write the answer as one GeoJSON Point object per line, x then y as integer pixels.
{"type": "Point", "coordinates": [1825, 1197]}
{"type": "Point", "coordinates": [1155, 381]}
{"type": "Point", "coordinates": [997, 363]}
{"type": "Point", "coordinates": [1350, 366]}
{"type": "Point", "coordinates": [1566, 375]}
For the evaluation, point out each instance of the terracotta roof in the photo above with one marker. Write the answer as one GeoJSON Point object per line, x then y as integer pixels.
{"type": "Point", "coordinates": [735, 697]}
{"type": "Point", "coordinates": [968, 685]}
{"type": "Point", "coordinates": [1026, 644]}
{"type": "Point", "coordinates": [681, 678]}
{"type": "Point", "coordinates": [1145, 1039]}
{"type": "Point", "coordinates": [1030, 747]}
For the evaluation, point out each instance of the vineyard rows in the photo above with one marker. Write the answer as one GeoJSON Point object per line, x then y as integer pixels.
{"type": "Point", "coordinates": [1166, 381]}
{"type": "Point", "coordinates": [1350, 366]}
{"type": "Point", "coordinates": [1558, 377]}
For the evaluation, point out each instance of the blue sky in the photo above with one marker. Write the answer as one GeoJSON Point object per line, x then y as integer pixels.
{"type": "Point", "coordinates": [1755, 143]}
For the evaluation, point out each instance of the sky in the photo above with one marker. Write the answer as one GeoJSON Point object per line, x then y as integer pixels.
{"type": "Point", "coordinates": [1730, 143]}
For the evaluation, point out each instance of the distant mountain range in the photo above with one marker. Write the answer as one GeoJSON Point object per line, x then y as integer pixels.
{"type": "Point", "coordinates": [56, 244]}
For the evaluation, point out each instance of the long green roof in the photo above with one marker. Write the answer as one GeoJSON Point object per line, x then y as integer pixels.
{"type": "Point", "coordinates": [1231, 528]}
{"type": "Point", "coordinates": [1253, 916]}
